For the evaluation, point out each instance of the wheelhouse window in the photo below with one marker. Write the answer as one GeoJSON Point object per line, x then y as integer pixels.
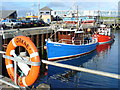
{"type": "Point", "coordinates": [64, 33]}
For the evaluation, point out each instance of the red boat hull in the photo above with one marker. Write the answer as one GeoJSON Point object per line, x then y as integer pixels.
{"type": "Point", "coordinates": [102, 39]}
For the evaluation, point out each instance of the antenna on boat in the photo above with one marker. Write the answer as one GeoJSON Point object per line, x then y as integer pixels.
{"type": "Point", "coordinates": [77, 20]}
{"type": "Point", "coordinates": [38, 9]}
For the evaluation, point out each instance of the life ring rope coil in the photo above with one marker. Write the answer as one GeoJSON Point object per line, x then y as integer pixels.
{"type": "Point", "coordinates": [34, 71]}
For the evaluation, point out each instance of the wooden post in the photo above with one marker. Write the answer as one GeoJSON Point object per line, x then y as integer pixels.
{"type": "Point", "coordinates": [1, 55]}
{"type": "Point", "coordinates": [55, 38]}
{"type": "Point", "coordinates": [42, 44]}
{"type": "Point", "coordinates": [47, 36]}
{"type": "Point", "coordinates": [38, 42]}
{"type": "Point", "coordinates": [52, 36]}
{"type": "Point", "coordinates": [32, 38]}
{"type": "Point", "coordinates": [4, 42]}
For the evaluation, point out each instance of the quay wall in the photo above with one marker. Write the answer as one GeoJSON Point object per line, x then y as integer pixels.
{"type": "Point", "coordinates": [0, 54]}
{"type": "Point", "coordinates": [37, 35]}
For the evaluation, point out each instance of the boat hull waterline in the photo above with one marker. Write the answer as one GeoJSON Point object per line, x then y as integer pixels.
{"type": "Point", "coordinates": [57, 51]}
{"type": "Point", "coordinates": [110, 41]}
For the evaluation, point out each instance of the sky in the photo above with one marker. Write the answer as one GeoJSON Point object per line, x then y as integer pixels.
{"type": "Point", "coordinates": [24, 6]}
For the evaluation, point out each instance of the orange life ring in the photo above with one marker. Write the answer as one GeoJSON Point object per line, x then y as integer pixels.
{"type": "Point", "coordinates": [34, 71]}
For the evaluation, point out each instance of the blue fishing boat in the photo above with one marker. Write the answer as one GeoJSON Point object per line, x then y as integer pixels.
{"type": "Point", "coordinates": [70, 43]}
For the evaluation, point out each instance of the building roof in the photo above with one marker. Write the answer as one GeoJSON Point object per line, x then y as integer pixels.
{"type": "Point", "coordinates": [6, 13]}
{"type": "Point", "coordinates": [46, 8]}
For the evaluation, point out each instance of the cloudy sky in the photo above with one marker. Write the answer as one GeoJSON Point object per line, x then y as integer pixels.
{"type": "Point", "coordinates": [24, 6]}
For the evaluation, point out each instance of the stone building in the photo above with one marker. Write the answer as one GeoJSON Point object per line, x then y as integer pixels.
{"type": "Point", "coordinates": [45, 14]}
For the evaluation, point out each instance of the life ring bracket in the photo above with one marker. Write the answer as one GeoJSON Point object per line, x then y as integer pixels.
{"type": "Point", "coordinates": [22, 61]}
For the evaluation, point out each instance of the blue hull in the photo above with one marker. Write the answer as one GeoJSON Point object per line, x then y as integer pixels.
{"type": "Point", "coordinates": [59, 51]}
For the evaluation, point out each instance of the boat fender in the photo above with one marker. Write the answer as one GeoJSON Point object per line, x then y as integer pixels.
{"type": "Point", "coordinates": [94, 36]}
{"type": "Point", "coordinates": [73, 38]}
{"type": "Point", "coordinates": [88, 30]}
{"type": "Point", "coordinates": [45, 47]}
{"type": "Point", "coordinates": [34, 71]}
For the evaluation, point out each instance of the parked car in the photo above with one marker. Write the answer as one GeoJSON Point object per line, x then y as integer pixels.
{"type": "Point", "coordinates": [41, 23]}
{"type": "Point", "coordinates": [35, 23]}
{"type": "Point", "coordinates": [11, 23]}
{"type": "Point", "coordinates": [23, 23]}
{"type": "Point", "coordinates": [30, 24]}
{"type": "Point", "coordinates": [26, 23]}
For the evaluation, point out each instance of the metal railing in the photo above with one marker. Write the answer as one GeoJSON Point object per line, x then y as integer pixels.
{"type": "Point", "coordinates": [78, 42]}
{"type": "Point", "coordinates": [111, 75]}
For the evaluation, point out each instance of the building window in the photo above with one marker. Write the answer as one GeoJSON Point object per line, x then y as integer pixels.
{"type": "Point", "coordinates": [47, 12]}
{"type": "Point", "coordinates": [55, 13]}
{"type": "Point", "coordinates": [41, 12]}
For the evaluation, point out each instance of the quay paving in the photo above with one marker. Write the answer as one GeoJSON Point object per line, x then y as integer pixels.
{"type": "Point", "coordinates": [10, 33]}
{"type": "Point", "coordinates": [5, 86]}
{"type": "Point", "coordinates": [2, 85]}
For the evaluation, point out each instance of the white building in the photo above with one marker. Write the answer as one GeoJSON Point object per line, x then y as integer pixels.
{"type": "Point", "coordinates": [63, 13]}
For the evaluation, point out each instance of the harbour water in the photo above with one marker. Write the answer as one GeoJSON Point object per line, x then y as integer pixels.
{"type": "Point", "coordinates": [104, 58]}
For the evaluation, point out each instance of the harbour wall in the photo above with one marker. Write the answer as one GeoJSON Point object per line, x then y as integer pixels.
{"type": "Point", "coordinates": [37, 35]}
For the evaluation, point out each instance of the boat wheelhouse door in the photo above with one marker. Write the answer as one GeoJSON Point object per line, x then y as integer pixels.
{"type": "Point", "coordinates": [65, 36]}
{"type": "Point", "coordinates": [79, 38]}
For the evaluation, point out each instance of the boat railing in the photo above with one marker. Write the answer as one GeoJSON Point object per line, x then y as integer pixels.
{"type": "Point", "coordinates": [78, 42]}
{"type": "Point", "coordinates": [104, 31]}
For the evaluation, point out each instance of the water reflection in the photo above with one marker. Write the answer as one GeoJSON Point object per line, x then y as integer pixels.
{"type": "Point", "coordinates": [80, 79]}
{"type": "Point", "coordinates": [78, 61]}
{"type": "Point", "coordinates": [97, 60]}
{"type": "Point", "coordinates": [104, 48]}
{"type": "Point", "coordinates": [66, 76]}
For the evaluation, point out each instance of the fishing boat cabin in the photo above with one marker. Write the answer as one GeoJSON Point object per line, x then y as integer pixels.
{"type": "Point", "coordinates": [104, 30]}
{"type": "Point", "coordinates": [70, 36]}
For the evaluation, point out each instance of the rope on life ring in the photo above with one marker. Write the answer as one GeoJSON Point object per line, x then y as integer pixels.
{"type": "Point", "coordinates": [30, 78]}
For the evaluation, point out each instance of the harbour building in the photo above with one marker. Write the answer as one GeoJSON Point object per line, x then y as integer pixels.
{"type": "Point", "coordinates": [65, 13]}
{"type": "Point", "coordinates": [47, 14]}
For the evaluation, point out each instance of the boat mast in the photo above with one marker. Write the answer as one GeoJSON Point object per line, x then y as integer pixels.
{"type": "Point", "coordinates": [38, 9]}
{"type": "Point", "coordinates": [77, 19]}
